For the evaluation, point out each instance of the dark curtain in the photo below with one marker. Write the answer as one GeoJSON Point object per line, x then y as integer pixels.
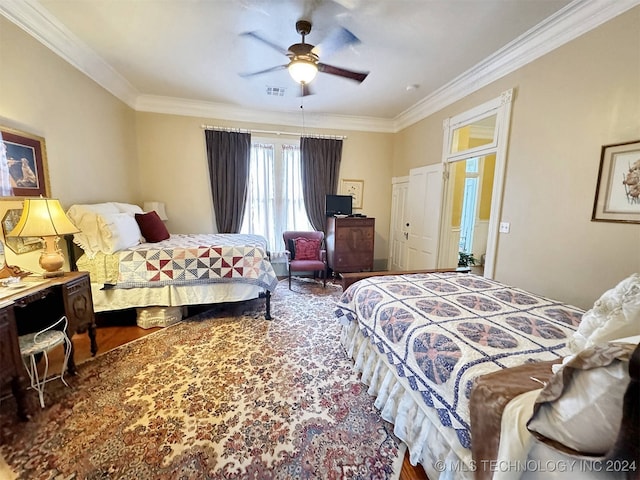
{"type": "Point", "coordinates": [320, 168]}
{"type": "Point", "coordinates": [228, 155]}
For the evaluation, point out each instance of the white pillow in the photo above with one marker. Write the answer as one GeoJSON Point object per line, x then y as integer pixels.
{"type": "Point", "coordinates": [118, 231]}
{"type": "Point", "coordinates": [614, 315]}
{"type": "Point", "coordinates": [91, 238]}
{"type": "Point", "coordinates": [84, 216]}
{"type": "Point", "coordinates": [581, 405]}
{"type": "Point", "coordinates": [79, 213]}
{"type": "Point", "coordinates": [128, 208]}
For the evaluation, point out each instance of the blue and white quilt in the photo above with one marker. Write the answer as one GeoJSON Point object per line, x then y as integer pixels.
{"type": "Point", "coordinates": [441, 330]}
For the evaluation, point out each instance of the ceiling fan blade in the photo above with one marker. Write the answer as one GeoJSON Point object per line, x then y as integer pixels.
{"type": "Point", "coordinates": [341, 72]}
{"type": "Point", "coordinates": [277, 48]}
{"type": "Point", "coordinates": [272, 69]}
{"type": "Point", "coordinates": [337, 40]}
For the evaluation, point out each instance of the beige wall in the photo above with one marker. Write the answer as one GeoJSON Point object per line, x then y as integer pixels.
{"type": "Point", "coordinates": [89, 134]}
{"type": "Point", "coordinates": [99, 149]}
{"type": "Point", "coordinates": [567, 105]}
{"type": "Point", "coordinates": [173, 169]}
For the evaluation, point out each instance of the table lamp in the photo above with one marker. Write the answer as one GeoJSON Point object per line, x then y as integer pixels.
{"type": "Point", "coordinates": [44, 217]}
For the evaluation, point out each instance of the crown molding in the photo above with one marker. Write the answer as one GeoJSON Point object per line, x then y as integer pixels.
{"type": "Point", "coordinates": [575, 19]}
{"type": "Point", "coordinates": [34, 19]}
{"type": "Point", "coordinates": [222, 111]}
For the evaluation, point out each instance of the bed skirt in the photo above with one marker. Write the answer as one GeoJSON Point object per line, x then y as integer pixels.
{"type": "Point", "coordinates": [427, 445]}
{"type": "Point", "coordinates": [172, 296]}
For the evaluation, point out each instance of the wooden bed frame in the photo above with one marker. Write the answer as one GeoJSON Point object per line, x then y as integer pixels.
{"type": "Point", "coordinates": [350, 278]}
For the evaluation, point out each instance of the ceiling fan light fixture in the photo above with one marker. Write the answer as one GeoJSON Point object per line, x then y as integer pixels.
{"type": "Point", "coordinates": [304, 63]}
{"type": "Point", "coordinates": [302, 70]}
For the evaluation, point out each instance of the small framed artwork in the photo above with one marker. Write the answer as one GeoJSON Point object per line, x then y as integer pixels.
{"type": "Point", "coordinates": [23, 164]}
{"type": "Point", "coordinates": [354, 188]}
{"type": "Point", "coordinates": [618, 188]}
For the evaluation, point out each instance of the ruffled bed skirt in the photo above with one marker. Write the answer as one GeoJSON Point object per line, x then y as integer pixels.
{"type": "Point", "coordinates": [427, 445]}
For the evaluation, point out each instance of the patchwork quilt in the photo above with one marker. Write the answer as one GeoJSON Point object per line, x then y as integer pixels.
{"type": "Point", "coordinates": [442, 330]}
{"type": "Point", "coordinates": [195, 259]}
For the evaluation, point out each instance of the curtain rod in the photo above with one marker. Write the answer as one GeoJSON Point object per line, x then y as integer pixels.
{"type": "Point", "coordinates": [272, 132]}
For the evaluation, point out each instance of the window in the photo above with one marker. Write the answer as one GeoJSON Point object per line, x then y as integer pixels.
{"type": "Point", "coordinates": [469, 206]}
{"type": "Point", "coordinates": [274, 199]}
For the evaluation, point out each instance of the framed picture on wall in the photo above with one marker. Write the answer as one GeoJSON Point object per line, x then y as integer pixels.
{"type": "Point", "coordinates": [618, 188]}
{"type": "Point", "coordinates": [23, 164]}
{"type": "Point", "coordinates": [354, 188]}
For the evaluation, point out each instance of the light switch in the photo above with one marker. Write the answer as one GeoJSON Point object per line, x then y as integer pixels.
{"type": "Point", "coordinates": [504, 227]}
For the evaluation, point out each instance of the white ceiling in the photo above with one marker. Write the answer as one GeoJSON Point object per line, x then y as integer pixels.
{"type": "Point", "coordinates": [185, 56]}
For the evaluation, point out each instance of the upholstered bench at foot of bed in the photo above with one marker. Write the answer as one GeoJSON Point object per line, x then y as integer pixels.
{"type": "Point", "coordinates": [489, 396]}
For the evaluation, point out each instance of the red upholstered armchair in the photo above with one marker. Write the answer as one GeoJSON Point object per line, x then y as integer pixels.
{"type": "Point", "coordinates": [306, 253]}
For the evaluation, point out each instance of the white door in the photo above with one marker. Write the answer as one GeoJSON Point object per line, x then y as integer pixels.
{"type": "Point", "coordinates": [399, 224]}
{"type": "Point", "coordinates": [425, 200]}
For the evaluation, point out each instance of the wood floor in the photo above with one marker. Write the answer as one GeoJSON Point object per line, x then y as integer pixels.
{"type": "Point", "coordinates": [110, 337]}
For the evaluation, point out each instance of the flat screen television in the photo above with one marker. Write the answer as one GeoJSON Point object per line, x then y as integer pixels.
{"type": "Point", "coordinates": [338, 205]}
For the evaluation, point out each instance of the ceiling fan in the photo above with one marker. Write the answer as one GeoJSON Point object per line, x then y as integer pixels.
{"type": "Point", "coordinates": [304, 58]}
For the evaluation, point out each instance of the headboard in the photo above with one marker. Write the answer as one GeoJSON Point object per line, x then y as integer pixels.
{"type": "Point", "coordinates": [73, 252]}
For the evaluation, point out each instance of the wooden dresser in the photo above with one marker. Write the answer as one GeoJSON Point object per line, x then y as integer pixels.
{"type": "Point", "coordinates": [349, 243]}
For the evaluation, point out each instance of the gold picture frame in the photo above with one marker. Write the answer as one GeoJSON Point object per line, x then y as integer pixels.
{"type": "Point", "coordinates": [18, 245]}
{"type": "Point", "coordinates": [355, 188]}
{"type": "Point", "coordinates": [618, 188]}
{"type": "Point", "coordinates": [25, 157]}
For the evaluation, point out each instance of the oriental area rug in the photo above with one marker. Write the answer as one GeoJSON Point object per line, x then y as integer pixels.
{"type": "Point", "coordinates": [225, 394]}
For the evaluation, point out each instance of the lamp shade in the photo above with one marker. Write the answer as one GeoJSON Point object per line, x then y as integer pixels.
{"type": "Point", "coordinates": [43, 217]}
{"type": "Point", "coordinates": [302, 70]}
{"type": "Point", "coordinates": [158, 207]}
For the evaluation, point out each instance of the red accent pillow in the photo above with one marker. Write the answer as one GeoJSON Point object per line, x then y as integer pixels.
{"type": "Point", "coordinates": [152, 228]}
{"type": "Point", "coordinates": [307, 249]}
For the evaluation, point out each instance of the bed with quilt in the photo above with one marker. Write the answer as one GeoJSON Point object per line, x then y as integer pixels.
{"type": "Point", "coordinates": [133, 261]}
{"type": "Point", "coordinates": [460, 363]}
